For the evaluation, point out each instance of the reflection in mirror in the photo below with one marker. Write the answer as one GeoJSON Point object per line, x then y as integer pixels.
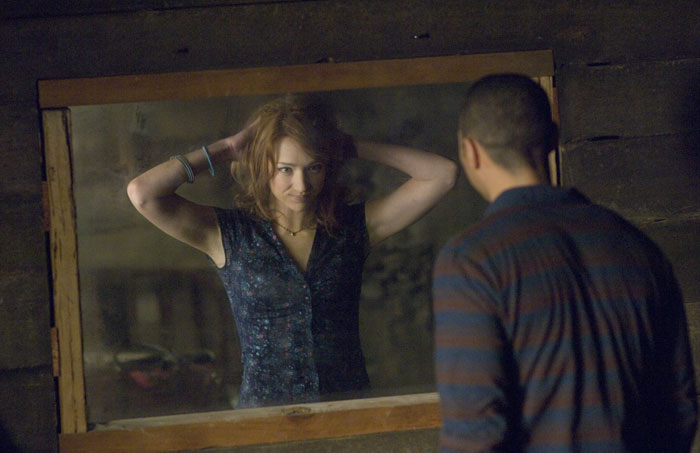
{"type": "Point", "coordinates": [159, 337]}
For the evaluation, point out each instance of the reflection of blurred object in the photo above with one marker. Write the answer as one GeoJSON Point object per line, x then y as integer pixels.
{"type": "Point", "coordinates": [148, 366]}
{"type": "Point", "coordinates": [200, 369]}
{"type": "Point", "coordinates": [156, 369]}
{"type": "Point", "coordinates": [151, 378]}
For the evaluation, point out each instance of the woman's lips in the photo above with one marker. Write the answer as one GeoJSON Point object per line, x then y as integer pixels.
{"type": "Point", "coordinates": [299, 198]}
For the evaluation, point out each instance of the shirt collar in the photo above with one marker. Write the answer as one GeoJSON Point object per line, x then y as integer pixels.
{"type": "Point", "coordinates": [536, 195]}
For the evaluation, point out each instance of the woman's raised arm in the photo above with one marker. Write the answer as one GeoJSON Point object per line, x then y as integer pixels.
{"type": "Point", "coordinates": [432, 176]}
{"type": "Point", "coordinates": [153, 194]}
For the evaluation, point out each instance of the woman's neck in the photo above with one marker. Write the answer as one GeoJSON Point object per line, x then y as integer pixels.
{"type": "Point", "coordinates": [294, 220]}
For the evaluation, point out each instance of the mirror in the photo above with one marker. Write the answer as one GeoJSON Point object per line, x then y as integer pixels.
{"type": "Point", "coordinates": [158, 334]}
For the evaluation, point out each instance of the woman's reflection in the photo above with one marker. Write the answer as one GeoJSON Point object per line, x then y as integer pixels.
{"type": "Point", "coordinates": [291, 253]}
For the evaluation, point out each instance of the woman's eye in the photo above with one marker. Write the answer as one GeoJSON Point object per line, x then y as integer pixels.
{"type": "Point", "coordinates": [316, 168]}
{"type": "Point", "coordinates": [284, 170]}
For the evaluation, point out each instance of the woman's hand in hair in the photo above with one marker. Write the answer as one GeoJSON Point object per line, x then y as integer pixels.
{"type": "Point", "coordinates": [431, 177]}
{"type": "Point", "coordinates": [232, 147]}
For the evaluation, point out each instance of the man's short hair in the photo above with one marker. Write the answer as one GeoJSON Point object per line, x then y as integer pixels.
{"type": "Point", "coordinates": [510, 116]}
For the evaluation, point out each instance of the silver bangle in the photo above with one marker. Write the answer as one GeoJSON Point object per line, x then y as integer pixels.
{"type": "Point", "coordinates": [188, 168]}
{"type": "Point", "coordinates": [206, 153]}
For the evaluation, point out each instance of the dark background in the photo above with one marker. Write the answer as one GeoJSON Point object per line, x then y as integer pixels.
{"type": "Point", "coordinates": [628, 80]}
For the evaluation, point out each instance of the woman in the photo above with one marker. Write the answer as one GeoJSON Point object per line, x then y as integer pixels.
{"type": "Point", "coordinates": [291, 253]}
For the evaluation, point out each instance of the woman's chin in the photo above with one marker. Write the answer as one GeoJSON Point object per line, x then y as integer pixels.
{"type": "Point", "coordinates": [296, 205]}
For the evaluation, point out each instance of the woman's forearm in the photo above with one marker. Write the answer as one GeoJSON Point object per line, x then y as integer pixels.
{"type": "Point", "coordinates": [164, 179]}
{"type": "Point", "coordinates": [431, 177]}
{"type": "Point", "coordinates": [418, 164]}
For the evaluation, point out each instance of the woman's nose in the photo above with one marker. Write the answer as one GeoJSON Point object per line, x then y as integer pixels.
{"type": "Point", "coordinates": [300, 182]}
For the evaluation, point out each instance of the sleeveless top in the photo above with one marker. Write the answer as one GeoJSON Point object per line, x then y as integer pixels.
{"type": "Point", "coordinates": [299, 331]}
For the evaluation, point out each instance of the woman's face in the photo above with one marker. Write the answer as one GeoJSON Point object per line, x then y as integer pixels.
{"type": "Point", "coordinates": [297, 178]}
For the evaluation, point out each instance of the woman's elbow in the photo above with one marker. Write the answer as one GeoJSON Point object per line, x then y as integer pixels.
{"type": "Point", "coordinates": [134, 191]}
{"type": "Point", "coordinates": [450, 174]}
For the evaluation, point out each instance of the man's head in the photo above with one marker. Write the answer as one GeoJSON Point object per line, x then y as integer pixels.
{"type": "Point", "coordinates": [507, 117]}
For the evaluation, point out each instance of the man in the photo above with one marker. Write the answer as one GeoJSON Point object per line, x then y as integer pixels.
{"type": "Point", "coordinates": [559, 326]}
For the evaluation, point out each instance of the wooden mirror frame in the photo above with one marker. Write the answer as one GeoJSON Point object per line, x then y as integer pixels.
{"type": "Point", "coordinates": [242, 426]}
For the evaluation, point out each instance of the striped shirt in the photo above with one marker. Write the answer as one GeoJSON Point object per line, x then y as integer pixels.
{"type": "Point", "coordinates": [560, 328]}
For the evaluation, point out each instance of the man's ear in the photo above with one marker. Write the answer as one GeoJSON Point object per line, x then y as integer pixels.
{"type": "Point", "coordinates": [468, 153]}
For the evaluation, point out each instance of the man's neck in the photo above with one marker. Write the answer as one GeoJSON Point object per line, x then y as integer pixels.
{"type": "Point", "coordinates": [505, 180]}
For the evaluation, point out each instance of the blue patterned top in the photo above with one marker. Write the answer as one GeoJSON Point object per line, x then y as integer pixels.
{"type": "Point", "coordinates": [299, 331]}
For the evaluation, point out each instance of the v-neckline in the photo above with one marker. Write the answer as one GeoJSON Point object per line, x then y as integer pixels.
{"type": "Point", "coordinates": [282, 249]}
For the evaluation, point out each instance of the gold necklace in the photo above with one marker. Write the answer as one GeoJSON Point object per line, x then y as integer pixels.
{"type": "Point", "coordinates": [292, 232]}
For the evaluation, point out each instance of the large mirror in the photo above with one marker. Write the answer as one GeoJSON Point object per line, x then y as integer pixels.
{"type": "Point", "coordinates": [144, 326]}
{"type": "Point", "coordinates": [158, 336]}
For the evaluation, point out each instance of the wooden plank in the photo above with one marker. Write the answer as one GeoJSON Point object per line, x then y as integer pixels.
{"type": "Point", "coordinates": [577, 31]}
{"type": "Point", "coordinates": [20, 147]}
{"type": "Point", "coordinates": [644, 178]}
{"type": "Point", "coordinates": [679, 241]}
{"type": "Point", "coordinates": [21, 219]}
{"type": "Point", "coordinates": [261, 426]}
{"type": "Point", "coordinates": [282, 79]}
{"type": "Point", "coordinates": [692, 312]}
{"type": "Point", "coordinates": [416, 441]}
{"type": "Point", "coordinates": [24, 322]}
{"type": "Point", "coordinates": [36, 9]}
{"type": "Point", "coordinates": [639, 99]}
{"type": "Point", "coordinates": [64, 259]}
{"type": "Point", "coordinates": [55, 355]}
{"type": "Point", "coordinates": [28, 410]}
{"type": "Point", "coordinates": [275, 33]}
{"type": "Point", "coordinates": [547, 84]}
{"type": "Point", "coordinates": [46, 214]}
{"type": "Point", "coordinates": [25, 319]}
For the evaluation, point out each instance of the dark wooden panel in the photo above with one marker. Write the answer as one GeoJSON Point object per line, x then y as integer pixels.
{"type": "Point", "coordinates": [644, 178]}
{"type": "Point", "coordinates": [283, 33]}
{"type": "Point", "coordinates": [592, 31]}
{"type": "Point", "coordinates": [417, 441]}
{"type": "Point", "coordinates": [692, 312]}
{"type": "Point", "coordinates": [646, 98]}
{"type": "Point", "coordinates": [270, 34]}
{"type": "Point", "coordinates": [28, 409]}
{"type": "Point", "coordinates": [49, 8]}
{"type": "Point", "coordinates": [22, 232]}
{"type": "Point", "coordinates": [20, 148]}
{"type": "Point", "coordinates": [680, 240]}
{"type": "Point", "coordinates": [24, 319]}
{"type": "Point", "coordinates": [580, 31]}
{"type": "Point", "coordinates": [24, 324]}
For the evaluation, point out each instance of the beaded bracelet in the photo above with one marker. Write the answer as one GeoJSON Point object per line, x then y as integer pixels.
{"type": "Point", "coordinates": [188, 168]}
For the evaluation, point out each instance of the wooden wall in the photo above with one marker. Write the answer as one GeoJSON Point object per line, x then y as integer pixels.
{"type": "Point", "coordinates": [627, 73]}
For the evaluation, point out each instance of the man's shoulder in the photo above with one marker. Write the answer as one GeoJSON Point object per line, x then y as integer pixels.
{"type": "Point", "coordinates": [471, 242]}
{"type": "Point", "coordinates": [515, 225]}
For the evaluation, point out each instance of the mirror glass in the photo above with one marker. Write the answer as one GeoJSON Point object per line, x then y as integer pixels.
{"type": "Point", "coordinates": [158, 334]}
